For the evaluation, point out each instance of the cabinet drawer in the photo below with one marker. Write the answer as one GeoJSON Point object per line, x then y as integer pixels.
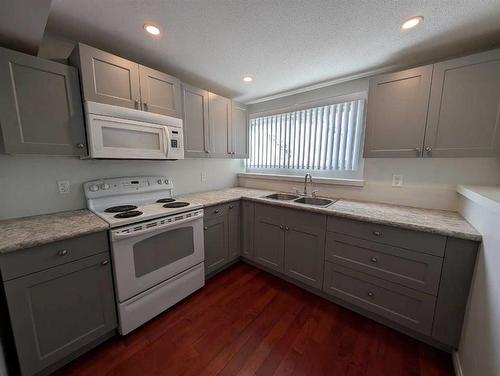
{"type": "Point", "coordinates": [411, 269]}
{"type": "Point", "coordinates": [16, 264]}
{"type": "Point", "coordinates": [424, 242]}
{"type": "Point", "coordinates": [217, 210]}
{"type": "Point", "coordinates": [409, 308]}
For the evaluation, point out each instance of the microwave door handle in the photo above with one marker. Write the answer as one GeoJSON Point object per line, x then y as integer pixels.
{"type": "Point", "coordinates": [166, 145]}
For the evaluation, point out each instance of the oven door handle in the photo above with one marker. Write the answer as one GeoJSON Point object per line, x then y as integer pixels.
{"type": "Point", "coordinates": [119, 234]}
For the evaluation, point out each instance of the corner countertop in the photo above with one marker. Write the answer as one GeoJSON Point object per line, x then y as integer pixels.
{"type": "Point", "coordinates": [442, 222]}
{"type": "Point", "coordinates": [21, 233]}
{"type": "Point", "coordinates": [487, 196]}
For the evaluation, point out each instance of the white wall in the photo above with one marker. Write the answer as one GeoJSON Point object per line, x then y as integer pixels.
{"type": "Point", "coordinates": [28, 183]}
{"type": "Point", "coordinates": [479, 350]}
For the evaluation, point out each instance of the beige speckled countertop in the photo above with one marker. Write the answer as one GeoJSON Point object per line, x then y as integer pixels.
{"type": "Point", "coordinates": [441, 222]}
{"type": "Point", "coordinates": [20, 233]}
{"type": "Point", "coordinates": [28, 232]}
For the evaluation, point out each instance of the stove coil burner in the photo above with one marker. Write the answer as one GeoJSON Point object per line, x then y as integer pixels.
{"type": "Point", "coordinates": [121, 208]}
{"type": "Point", "coordinates": [164, 200]}
{"type": "Point", "coordinates": [128, 214]}
{"type": "Point", "coordinates": [178, 204]}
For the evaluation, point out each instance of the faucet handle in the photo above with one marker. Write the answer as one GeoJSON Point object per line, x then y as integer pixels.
{"type": "Point", "coordinates": [314, 193]}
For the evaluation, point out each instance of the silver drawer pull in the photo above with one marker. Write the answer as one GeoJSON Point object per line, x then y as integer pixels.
{"type": "Point", "coordinates": [281, 227]}
{"type": "Point", "coordinates": [105, 262]}
{"type": "Point", "coordinates": [377, 233]}
{"type": "Point", "coordinates": [62, 252]}
{"type": "Point", "coordinates": [287, 228]}
{"type": "Point", "coordinates": [205, 228]}
{"type": "Point", "coordinates": [216, 211]}
{"type": "Point", "coordinates": [231, 206]}
{"type": "Point", "coordinates": [371, 294]}
{"type": "Point", "coordinates": [374, 259]}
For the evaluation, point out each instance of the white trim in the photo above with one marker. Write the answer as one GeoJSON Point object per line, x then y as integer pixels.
{"type": "Point", "coordinates": [326, 101]}
{"type": "Point", "coordinates": [323, 84]}
{"type": "Point", "coordinates": [318, 180]}
{"type": "Point", "coordinates": [456, 364]}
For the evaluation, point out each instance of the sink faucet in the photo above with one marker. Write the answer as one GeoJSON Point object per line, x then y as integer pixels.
{"type": "Point", "coordinates": [308, 175]}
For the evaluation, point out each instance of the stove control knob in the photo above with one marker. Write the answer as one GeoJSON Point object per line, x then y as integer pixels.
{"type": "Point", "coordinates": [166, 181]}
{"type": "Point", "coordinates": [105, 186]}
{"type": "Point", "coordinates": [94, 188]}
{"type": "Point", "coordinates": [160, 181]}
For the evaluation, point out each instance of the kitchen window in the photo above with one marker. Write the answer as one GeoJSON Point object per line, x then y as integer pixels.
{"type": "Point", "coordinates": [325, 139]}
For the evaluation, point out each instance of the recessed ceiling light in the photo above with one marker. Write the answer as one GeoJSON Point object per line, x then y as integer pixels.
{"type": "Point", "coordinates": [152, 29]}
{"type": "Point", "coordinates": [412, 22]}
{"type": "Point", "coordinates": [247, 79]}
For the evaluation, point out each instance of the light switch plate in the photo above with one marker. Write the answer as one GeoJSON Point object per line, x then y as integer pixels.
{"type": "Point", "coordinates": [203, 176]}
{"type": "Point", "coordinates": [63, 186]}
{"type": "Point", "coordinates": [397, 181]}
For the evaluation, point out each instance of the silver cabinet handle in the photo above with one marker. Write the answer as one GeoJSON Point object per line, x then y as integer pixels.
{"type": "Point", "coordinates": [371, 294]}
{"type": "Point", "coordinates": [145, 106]}
{"type": "Point", "coordinates": [206, 151]}
{"type": "Point", "coordinates": [136, 103]}
{"type": "Point", "coordinates": [216, 211]}
{"type": "Point", "coordinates": [231, 206]}
{"type": "Point", "coordinates": [205, 228]}
{"type": "Point", "coordinates": [281, 227]}
{"type": "Point", "coordinates": [374, 260]}
{"type": "Point", "coordinates": [287, 228]}
{"type": "Point", "coordinates": [417, 150]}
{"type": "Point", "coordinates": [80, 145]}
{"type": "Point", "coordinates": [105, 262]}
{"type": "Point", "coordinates": [428, 149]}
{"type": "Point", "coordinates": [62, 252]}
{"type": "Point", "coordinates": [377, 233]}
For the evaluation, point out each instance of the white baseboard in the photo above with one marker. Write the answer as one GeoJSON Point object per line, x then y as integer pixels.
{"type": "Point", "coordinates": [456, 364]}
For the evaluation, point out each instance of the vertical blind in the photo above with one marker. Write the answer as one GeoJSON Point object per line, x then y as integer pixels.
{"type": "Point", "coordinates": [319, 138]}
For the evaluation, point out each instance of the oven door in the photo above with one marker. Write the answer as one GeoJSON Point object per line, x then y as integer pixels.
{"type": "Point", "coordinates": [112, 137]}
{"type": "Point", "coordinates": [149, 253]}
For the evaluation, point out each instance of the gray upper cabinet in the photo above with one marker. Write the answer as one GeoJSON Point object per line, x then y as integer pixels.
{"type": "Point", "coordinates": [106, 78]}
{"type": "Point", "coordinates": [196, 129]}
{"type": "Point", "coordinates": [57, 311]}
{"type": "Point", "coordinates": [239, 131]}
{"type": "Point", "coordinates": [397, 113]}
{"type": "Point", "coordinates": [305, 247]}
{"type": "Point", "coordinates": [160, 92]}
{"type": "Point", "coordinates": [219, 118]}
{"type": "Point", "coordinates": [464, 109]}
{"type": "Point", "coordinates": [40, 107]}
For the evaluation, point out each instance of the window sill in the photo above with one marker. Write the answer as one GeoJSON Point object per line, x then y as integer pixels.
{"type": "Point", "coordinates": [295, 178]}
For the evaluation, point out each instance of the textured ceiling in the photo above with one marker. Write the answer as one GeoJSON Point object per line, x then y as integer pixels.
{"type": "Point", "coordinates": [282, 44]}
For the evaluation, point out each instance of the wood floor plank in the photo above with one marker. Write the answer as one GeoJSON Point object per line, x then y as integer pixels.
{"type": "Point", "coordinates": [246, 322]}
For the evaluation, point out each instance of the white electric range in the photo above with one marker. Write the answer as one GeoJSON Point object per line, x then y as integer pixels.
{"type": "Point", "coordinates": [156, 244]}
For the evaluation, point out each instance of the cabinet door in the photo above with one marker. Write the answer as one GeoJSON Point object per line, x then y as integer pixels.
{"type": "Point", "coordinates": [216, 243]}
{"type": "Point", "coordinates": [57, 311]}
{"type": "Point", "coordinates": [239, 131]}
{"type": "Point", "coordinates": [40, 106]}
{"type": "Point", "coordinates": [247, 229]}
{"type": "Point", "coordinates": [464, 110]}
{"type": "Point", "coordinates": [219, 117]}
{"type": "Point", "coordinates": [160, 92]}
{"type": "Point", "coordinates": [397, 113]}
{"type": "Point", "coordinates": [305, 247]}
{"type": "Point", "coordinates": [106, 78]}
{"type": "Point", "coordinates": [234, 230]}
{"type": "Point", "coordinates": [269, 236]}
{"type": "Point", "coordinates": [196, 129]}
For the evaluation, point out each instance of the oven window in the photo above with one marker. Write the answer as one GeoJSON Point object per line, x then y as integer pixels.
{"type": "Point", "coordinates": [162, 249]}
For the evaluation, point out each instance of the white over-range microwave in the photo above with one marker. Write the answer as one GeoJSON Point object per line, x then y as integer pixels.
{"type": "Point", "coordinates": [124, 133]}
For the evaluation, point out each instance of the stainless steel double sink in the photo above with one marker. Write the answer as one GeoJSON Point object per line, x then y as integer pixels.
{"type": "Point", "coordinates": [313, 201]}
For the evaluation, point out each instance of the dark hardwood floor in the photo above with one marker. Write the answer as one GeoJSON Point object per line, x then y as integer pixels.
{"type": "Point", "coordinates": [246, 322]}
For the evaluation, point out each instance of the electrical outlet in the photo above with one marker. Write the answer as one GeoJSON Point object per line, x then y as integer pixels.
{"type": "Point", "coordinates": [397, 181]}
{"type": "Point", "coordinates": [63, 186]}
{"type": "Point", "coordinates": [203, 176]}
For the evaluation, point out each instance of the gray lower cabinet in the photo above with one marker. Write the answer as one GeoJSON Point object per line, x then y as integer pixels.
{"type": "Point", "coordinates": [107, 78]}
{"type": "Point", "coordinates": [305, 247]}
{"type": "Point", "coordinates": [62, 307]}
{"type": "Point", "coordinates": [464, 108]}
{"type": "Point", "coordinates": [247, 229]}
{"type": "Point", "coordinates": [397, 113]}
{"type": "Point", "coordinates": [160, 92]}
{"type": "Point", "coordinates": [239, 131]}
{"type": "Point", "coordinates": [234, 230]}
{"type": "Point", "coordinates": [219, 120]}
{"type": "Point", "coordinates": [196, 128]}
{"type": "Point", "coordinates": [269, 236]}
{"type": "Point", "coordinates": [40, 107]}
